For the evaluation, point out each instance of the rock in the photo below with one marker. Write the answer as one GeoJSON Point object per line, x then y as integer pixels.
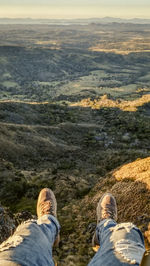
{"type": "Point", "coordinates": [72, 178]}
{"type": "Point", "coordinates": [7, 224]}
{"type": "Point", "coordinates": [126, 137]}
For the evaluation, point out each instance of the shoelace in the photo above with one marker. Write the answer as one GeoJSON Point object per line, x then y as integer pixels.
{"type": "Point", "coordinates": [46, 208]}
{"type": "Point", "coordinates": [107, 210]}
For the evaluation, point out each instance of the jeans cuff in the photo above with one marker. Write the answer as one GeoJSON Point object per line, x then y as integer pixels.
{"type": "Point", "coordinates": [48, 218]}
{"type": "Point", "coordinates": [55, 221]}
{"type": "Point", "coordinates": [103, 225]}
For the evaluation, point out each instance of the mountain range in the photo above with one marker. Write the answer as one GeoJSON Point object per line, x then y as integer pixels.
{"type": "Point", "coordinates": [104, 20]}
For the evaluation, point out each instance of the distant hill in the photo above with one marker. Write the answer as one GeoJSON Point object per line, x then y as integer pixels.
{"type": "Point", "coordinates": [104, 20]}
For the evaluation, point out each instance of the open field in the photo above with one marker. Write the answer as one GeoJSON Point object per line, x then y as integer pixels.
{"type": "Point", "coordinates": [49, 62]}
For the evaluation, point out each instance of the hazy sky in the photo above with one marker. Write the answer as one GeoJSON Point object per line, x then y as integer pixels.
{"type": "Point", "coordinates": [75, 8]}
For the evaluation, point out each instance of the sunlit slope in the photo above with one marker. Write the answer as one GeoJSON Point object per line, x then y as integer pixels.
{"type": "Point", "coordinates": [105, 102]}
{"type": "Point", "coordinates": [133, 201]}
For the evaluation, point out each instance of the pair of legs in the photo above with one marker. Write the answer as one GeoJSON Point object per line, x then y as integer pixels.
{"type": "Point", "coordinates": [32, 242]}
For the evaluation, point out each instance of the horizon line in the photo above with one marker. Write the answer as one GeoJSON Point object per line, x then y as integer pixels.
{"type": "Point", "coordinates": [108, 17]}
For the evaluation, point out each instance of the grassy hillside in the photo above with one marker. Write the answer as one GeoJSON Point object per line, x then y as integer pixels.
{"type": "Point", "coordinates": [74, 149]}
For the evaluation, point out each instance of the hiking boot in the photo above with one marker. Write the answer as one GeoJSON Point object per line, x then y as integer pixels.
{"type": "Point", "coordinates": [106, 209]}
{"type": "Point", "coordinates": [47, 204]}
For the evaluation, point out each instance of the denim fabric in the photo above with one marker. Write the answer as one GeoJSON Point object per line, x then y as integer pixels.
{"type": "Point", "coordinates": [120, 244]}
{"type": "Point", "coordinates": [31, 244]}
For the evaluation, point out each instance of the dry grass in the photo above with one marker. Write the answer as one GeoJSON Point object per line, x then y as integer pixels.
{"type": "Point", "coordinates": [122, 105]}
{"type": "Point", "coordinates": [18, 101]}
{"type": "Point", "coordinates": [117, 51]}
{"type": "Point", "coordinates": [51, 44]}
{"type": "Point", "coordinates": [135, 44]}
{"type": "Point", "coordinates": [138, 171]}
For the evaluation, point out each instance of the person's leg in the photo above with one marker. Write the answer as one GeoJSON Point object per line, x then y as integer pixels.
{"type": "Point", "coordinates": [32, 242]}
{"type": "Point", "coordinates": [120, 244]}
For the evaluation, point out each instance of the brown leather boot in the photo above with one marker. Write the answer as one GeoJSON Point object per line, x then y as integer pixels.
{"type": "Point", "coordinates": [106, 209]}
{"type": "Point", "coordinates": [47, 204]}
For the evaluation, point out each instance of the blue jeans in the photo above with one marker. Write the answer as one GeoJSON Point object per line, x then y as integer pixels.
{"type": "Point", "coordinates": [31, 244]}
{"type": "Point", "coordinates": [120, 244]}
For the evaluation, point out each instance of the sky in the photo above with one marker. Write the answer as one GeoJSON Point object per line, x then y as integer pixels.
{"type": "Point", "coordinates": [74, 8]}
